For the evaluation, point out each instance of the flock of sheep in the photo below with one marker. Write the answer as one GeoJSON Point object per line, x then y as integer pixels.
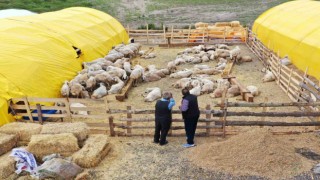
{"type": "Point", "coordinates": [106, 75]}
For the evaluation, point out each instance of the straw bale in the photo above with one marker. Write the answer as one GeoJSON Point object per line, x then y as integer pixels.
{"type": "Point", "coordinates": [23, 130]}
{"type": "Point", "coordinates": [78, 129]}
{"type": "Point", "coordinates": [7, 142]}
{"type": "Point", "coordinates": [7, 166]}
{"type": "Point", "coordinates": [42, 145]}
{"type": "Point", "coordinates": [94, 150]}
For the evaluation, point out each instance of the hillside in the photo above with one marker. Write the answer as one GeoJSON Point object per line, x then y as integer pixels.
{"type": "Point", "coordinates": [140, 12]}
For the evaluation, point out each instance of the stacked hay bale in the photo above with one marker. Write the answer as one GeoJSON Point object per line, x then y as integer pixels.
{"type": "Point", "coordinates": [79, 129]}
{"type": "Point", "coordinates": [94, 150]}
{"type": "Point", "coordinates": [7, 142]}
{"type": "Point", "coordinates": [7, 166]}
{"type": "Point", "coordinates": [42, 145]}
{"type": "Point", "coordinates": [23, 131]}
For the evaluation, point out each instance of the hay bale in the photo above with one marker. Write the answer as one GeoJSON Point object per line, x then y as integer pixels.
{"type": "Point", "coordinates": [23, 130]}
{"type": "Point", "coordinates": [7, 166]}
{"type": "Point", "coordinates": [78, 129]}
{"type": "Point", "coordinates": [7, 142]}
{"type": "Point", "coordinates": [42, 145]}
{"type": "Point", "coordinates": [94, 150]}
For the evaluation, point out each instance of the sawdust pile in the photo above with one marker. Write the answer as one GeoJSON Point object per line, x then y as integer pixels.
{"type": "Point", "coordinates": [256, 152]}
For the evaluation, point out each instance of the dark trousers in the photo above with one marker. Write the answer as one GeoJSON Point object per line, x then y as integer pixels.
{"type": "Point", "coordinates": [190, 125]}
{"type": "Point", "coordinates": [161, 130]}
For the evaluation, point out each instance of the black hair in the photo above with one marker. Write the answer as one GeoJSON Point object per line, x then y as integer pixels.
{"type": "Point", "coordinates": [185, 91]}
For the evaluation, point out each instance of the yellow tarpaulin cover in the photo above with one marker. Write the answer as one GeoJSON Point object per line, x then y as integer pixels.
{"type": "Point", "coordinates": [293, 29]}
{"type": "Point", "coordinates": [37, 52]}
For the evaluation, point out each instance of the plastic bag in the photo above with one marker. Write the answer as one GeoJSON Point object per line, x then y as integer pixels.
{"type": "Point", "coordinates": [25, 161]}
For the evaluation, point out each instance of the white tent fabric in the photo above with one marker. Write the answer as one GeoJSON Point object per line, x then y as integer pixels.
{"type": "Point", "coordinates": [7, 13]}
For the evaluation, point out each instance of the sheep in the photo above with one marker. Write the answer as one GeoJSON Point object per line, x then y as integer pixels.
{"type": "Point", "coordinates": [94, 73]}
{"type": "Point", "coordinates": [93, 62]}
{"type": "Point", "coordinates": [268, 77]}
{"type": "Point", "coordinates": [205, 59]}
{"type": "Point", "coordinates": [96, 67]}
{"type": "Point", "coordinates": [118, 72]}
{"type": "Point", "coordinates": [196, 90]}
{"type": "Point", "coordinates": [151, 68]}
{"type": "Point", "coordinates": [181, 74]}
{"type": "Point", "coordinates": [253, 90]}
{"type": "Point", "coordinates": [149, 56]}
{"type": "Point", "coordinates": [83, 78]}
{"type": "Point", "coordinates": [201, 67]}
{"type": "Point", "coordinates": [235, 52]}
{"type": "Point", "coordinates": [207, 87]}
{"type": "Point", "coordinates": [153, 94]}
{"type": "Point", "coordinates": [91, 83]}
{"type": "Point", "coordinates": [196, 60]}
{"type": "Point", "coordinates": [126, 51]}
{"type": "Point", "coordinates": [119, 63]}
{"type": "Point", "coordinates": [85, 94]}
{"type": "Point", "coordinates": [179, 61]}
{"type": "Point", "coordinates": [65, 89]}
{"type": "Point", "coordinates": [137, 74]}
{"type": "Point", "coordinates": [285, 61]}
{"type": "Point", "coordinates": [127, 67]}
{"type": "Point", "coordinates": [221, 66]}
{"type": "Point", "coordinates": [104, 77]}
{"type": "Point", "coordinates": [113, 55]}
{"type": "Point", "coordinates": [116, 88]}
{"type": "Point", "coordinates": [75, 89]}
{"type": "Point", "coordinates": [99, 92]}
{"type": "Point", "coordinates": [150, 77]}
{"type": "Point", "coordinates": [223, 83]}
{"type": "Point", "coordinates": [210, 71]}
{"type": "Point", "coordinates": [171, 66]}
{"type": "Point", "coordinates": [234, 90]}
{"type": "Point", "coordinates": [221, 61]}
{"type": "Point", "coordinates": [223, 46]}
{"type": "Point", "coordinates": [160, 73]}
{"type": "Point", "coordinates": [164, 71]}
{"type": "Point", "coordinates": [182, 83]}
{"type": "Point", "coordinates": [141, 52]}
{"type": "Point", "coordinates": [245, 59]}
{"type": "Point", "coordinates": [218, 92]}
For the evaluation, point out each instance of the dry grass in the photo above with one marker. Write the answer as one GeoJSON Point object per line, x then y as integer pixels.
{"type": "Point", "coordinates": [95, 149]}
{"type": "Point", "coordinates": [256, 152]}
{"type": "Point", "coordinates": [78, 129]}
{"type": "Point", "coordinates": [23, 130]}
{"type": "Point", "coordinates": [6, 166]}
{"type": "Point", "coordinates": [44, 144]}
{"type": "Point", "coordinates": [7, 142]}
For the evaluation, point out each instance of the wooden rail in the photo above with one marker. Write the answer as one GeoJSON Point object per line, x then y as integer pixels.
{"type": "Point", "coordinates": [175, 36]}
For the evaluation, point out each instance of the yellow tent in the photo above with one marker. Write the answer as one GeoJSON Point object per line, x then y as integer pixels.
{"type": "Point", "coordinates": [38, 52]}
{"type": "Point", "coordinates": [293, 29]}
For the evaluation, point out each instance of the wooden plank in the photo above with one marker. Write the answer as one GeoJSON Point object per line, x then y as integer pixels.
{"type": "Point", "coordinates": [208, 118]}
{"type": "Point", "coordinates": [100, 125]}
{"type": "Point", "coordinates": [26, 103]}
{"type": "Point", "coordinates": [264, 109]}
{"type": "Point", "coordinates": [89, 116]}
{"type": "Point", "coordinates": [246, 95]}
{"type": "Point", "coordinates": [90, 101]}
{"type": "Point", "coordinates": [111, 125]}
{"type": "Point", "coordinates": [129, 123]}
{"type": "Point", "coordinates": [44, 115]}
{"type": "Point", "coordinates": [39, 111]}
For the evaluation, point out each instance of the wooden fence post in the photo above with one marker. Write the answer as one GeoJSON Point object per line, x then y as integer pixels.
{"type": "Point", "coordinates": [189, 32]}
{"type": "Point", "coordinates": [39, 113]}
{"type": "Point", "coordinates": [147, 34]}
{"type": "Point", "coordinates": [26, 103]}
{"type": "Point", "coordinates": [264, 109]}
{"type": "Point", "coordinates": [208, 118]}
{"type": "Point", "coordinates": [164, 32]}
{"type": "Point", "coordinates": [225, 117]}
{"type": "Point", "coordinates": [111, 125]}
{"type": "Point", "coordinates": [172, 33]}
{"type": "Point", "coordinates": [129, 123]}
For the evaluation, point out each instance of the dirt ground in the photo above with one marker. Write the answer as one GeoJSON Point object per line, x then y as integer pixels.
{"type": "Point", "coordinates": [138, 158]}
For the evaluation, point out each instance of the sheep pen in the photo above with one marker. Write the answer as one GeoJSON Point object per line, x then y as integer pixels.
{"type": "Point", "coordinates": [133, 151]}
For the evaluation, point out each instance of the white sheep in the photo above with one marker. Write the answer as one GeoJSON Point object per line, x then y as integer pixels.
{"type": "Point", "coordinates": [151, 76]}
{"type": "Point", "coordinates": [127, 67]}
{"type": "Point", "coordinates": [94, 73]}
{"type": "Point", "coordinates": [201, 67]}
{"type": "Point", "coordinates": [221, 66]}
{"type": "Point", "coordinates": [99, 92]}
{"type": "Point", "coordinates": [91, 83]}
{"type": "Point", "coordinates": [164, 71]}
{"type": "Point", "coordinates": [75, 89]}
{"type": "Point", "coordinates": [253, 90]}
{"type": "Point", "coordinates": [104, 77]}
{"type": "Point", "coordinates": [210, 71]}
{"type": "Point", "coordinates": [172, 66]}
{"type": "Point", "coordinates": [285, 61]}
{"type": "Point", "coordinates": [179, 61]}
{"type": "Point", "coordinates": [234, 90]}
{"type": "Point", "coordinates": [181, 74]}
{"type": "Point", "coordinates": [116, 88]}
{"type": "Point", "coordinates": [207, 87]}
{"type": "Point", "coordinates": [153, 94]}
{"type": "Point", "coordinates": [65, 89]}
{"type": "Point", "coordinates": [121, 73]}
{"type": "Point", "coordinates": [235, 52]}
{"type": "Point", "coordinates": [196, 90]}
{"type": "Point", "coordinates": [77, 105]}
{"type": "Point", "coordinates": [245, 59]}
{"type": "Point", "coordinates": [137, 74]}
{"type": "Point", "coordinates": [182, 83]}
{"type": "Point", "coordinates": [268, 77]}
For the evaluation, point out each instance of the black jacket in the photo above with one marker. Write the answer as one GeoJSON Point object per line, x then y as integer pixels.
{"type": "Point", "coordinates": [162, 111]}
{"type": "Point", "coordinates": [193, 108]}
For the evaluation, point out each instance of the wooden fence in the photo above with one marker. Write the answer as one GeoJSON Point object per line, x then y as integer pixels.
{"type": "Point", "coordinates": [174, 36]}
{"type": "Point", "coordinates": [296, 84]}
{"type": "Point", "coordinates": [30, 110]}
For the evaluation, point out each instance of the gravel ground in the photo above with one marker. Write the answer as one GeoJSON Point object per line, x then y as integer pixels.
{"type": "Point", "coordinates": [139, 158]}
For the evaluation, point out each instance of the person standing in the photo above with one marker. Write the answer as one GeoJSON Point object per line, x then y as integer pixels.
{"type": "Point", "coordinates": [163, 118]}
{"type": "Point", "coordinates": [190, 114]}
